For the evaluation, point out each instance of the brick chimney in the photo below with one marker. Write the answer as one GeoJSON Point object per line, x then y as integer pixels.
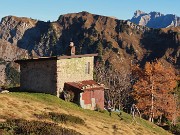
{"type": "Point", "coordinates": [72, 48]}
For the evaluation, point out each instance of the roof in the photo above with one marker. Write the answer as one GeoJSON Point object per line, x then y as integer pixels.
{"type": "Point", "coordinates": [55, 58]}
{"type": "Point", "coordinates": [86, 85]}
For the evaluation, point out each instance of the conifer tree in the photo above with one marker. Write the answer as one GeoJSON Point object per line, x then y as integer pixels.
{"type": "Point", "coordinates": [154, 89]}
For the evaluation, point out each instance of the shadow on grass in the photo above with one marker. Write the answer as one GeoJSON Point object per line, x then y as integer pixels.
{"type": "Point", "coordinates": [17, 89]}
{"type": "Point", "coordinates": [14, 89]}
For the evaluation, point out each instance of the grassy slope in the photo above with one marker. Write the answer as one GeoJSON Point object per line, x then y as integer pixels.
{"type": "Point", "coordinates": [25, 105]}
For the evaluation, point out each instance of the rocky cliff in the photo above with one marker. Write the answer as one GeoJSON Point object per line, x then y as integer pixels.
{"type": "Point", "coordinates": [117, 42]}
{"type": "Point", "coordinates": [155, 19]}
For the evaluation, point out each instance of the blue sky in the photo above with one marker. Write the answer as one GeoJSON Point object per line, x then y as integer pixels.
{"type": "Point", "coordinates": [51, 9]}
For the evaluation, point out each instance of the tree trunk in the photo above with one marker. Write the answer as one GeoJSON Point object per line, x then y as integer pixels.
{"type": "Point", "coordinates": [151, 118]}
{"type": "Point", "coordinates": [174, 113]}
{"type": "Point", "coordinates": [160, 120]}
{"type": "Point", "coordinates": [119, 104]}
{"type": "Point", "coordinates": [119, 107]}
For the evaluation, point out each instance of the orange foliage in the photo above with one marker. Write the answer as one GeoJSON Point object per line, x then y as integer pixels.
{"type": "Point", "coordinates": [153, 90]}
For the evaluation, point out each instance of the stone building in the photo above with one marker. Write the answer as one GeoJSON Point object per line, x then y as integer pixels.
{"type": "Point", "coordinates": [50, 74]}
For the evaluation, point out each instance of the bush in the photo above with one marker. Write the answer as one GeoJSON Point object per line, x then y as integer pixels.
{"type": "Point", "coordinates": [24, 127]}
{"type": "Point", "coordinates": [60, 118]}
{"type": "Point", "coordinates": [175, 129]}
{"type": "Point", "coordinates": [2, 61]}
{"type": "Point", "coordinates": [65, 118]}
{"type": "Point", "coordinates": [98, 109]}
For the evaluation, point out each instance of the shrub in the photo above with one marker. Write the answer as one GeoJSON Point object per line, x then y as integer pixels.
{"type": "Point", "coordinates": [98, 109]}
{"type": "Point", "coordinates": [175, 129]}
{"type": "Point", "coordinates": [115, 50]}
{"type": "Point", "coordinates": [60, 118]}
{"type": "Point", "coordinates": [24, 127]}
{"type": "Point", "coordinates": [64, 118]}
{"type": "Point", "coordinates": [41, 116]}
{"type": "Point", "coordinates": [2, 61]}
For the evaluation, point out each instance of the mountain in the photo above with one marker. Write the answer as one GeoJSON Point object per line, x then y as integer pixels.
{"type": "Point", "coordinates": [117, 42]}
{"type": "Point", "coordinates": [155, 19]}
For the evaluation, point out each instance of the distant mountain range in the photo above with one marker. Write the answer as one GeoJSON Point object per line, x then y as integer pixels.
{"type": "Point", "coordinates": [155, 19]}
{"type": "Point", "coordinates": [118, 42]}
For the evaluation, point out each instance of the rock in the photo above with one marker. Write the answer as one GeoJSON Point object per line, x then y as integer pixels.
{"type": "Point", "coordinates": [155, 19]}
{"type": "Point", "coordinates": [2, 120]}
{"type": "Point", "coordinates": [4, 91]}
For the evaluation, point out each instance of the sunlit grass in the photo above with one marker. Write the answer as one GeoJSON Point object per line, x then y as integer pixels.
{"type": "Point", "coordinates": [71, 107]}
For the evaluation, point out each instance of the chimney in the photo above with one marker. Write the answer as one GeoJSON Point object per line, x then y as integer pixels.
{"type": "Point", "coordinates": [72, 48]}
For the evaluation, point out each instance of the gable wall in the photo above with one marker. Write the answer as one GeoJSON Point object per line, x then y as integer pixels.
{"type": "Point", "coordinates": [74, 69]}
{"type": "Point", "coordinates": [39, 76]}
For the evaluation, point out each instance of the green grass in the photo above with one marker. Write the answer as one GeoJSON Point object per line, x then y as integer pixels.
{"type": "Point", "coordinates": [55, 101]}
{"type": "Point", "coordinates": [71, 107]}
{"type": "Point", "coordinates": [44, 98]}
{"type": "Point", "coordinates": [148, 125]}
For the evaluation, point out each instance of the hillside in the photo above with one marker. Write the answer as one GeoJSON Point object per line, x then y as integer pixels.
{"type": "Point", "coordinates": [155, 19]}
{"type": "Point", "coordinates": [32, 107]}
{"type": "Point", "coordinates": [118, 42]}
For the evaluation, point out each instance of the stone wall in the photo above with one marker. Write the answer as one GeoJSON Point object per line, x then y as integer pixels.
{"type": "Point", "coordinates": [74, 69]}
{"type": "Point", "coordinates": [39, 76]}
{"type": "Point", "coordinates": [2, 74]}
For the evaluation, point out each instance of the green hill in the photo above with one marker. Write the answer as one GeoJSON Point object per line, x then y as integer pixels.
{"type": "Point", "coordinates": [42, 113]}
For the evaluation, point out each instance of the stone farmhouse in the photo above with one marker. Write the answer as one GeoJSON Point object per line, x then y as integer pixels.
{"type": "Point", "coordinates": [70, 73]}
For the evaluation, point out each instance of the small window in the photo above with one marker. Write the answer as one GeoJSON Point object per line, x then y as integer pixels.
{"type": "Point", "coordinates": [87, 68]}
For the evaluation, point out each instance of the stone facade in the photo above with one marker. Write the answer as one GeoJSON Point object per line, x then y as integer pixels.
{"type": "Point", "coordinates": [48, 75]}
{"type": "Point", "coordinates": [38, 76]}
{"type": "Point", "coordinates": [74, 69]}
{"type": "Point", "coordinates": [70, 74]}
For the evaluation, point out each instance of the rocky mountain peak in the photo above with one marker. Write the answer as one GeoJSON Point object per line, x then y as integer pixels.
{"type": "Point", "coordinates": [138, 13]}
{"type": "Point", "coordinates": [12, 28]}
{"type": "Point", "coordinates": [14, 19]}
{"type": "Point", "coordinates": [155, 19]}
{"type": "Point", "coordinates": [155, 14]}
{"type": "Point", "coordinates": [116, 41]}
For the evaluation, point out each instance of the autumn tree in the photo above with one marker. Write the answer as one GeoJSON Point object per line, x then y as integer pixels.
{"type": "Point", "coordinates": [154, 90]}
{"type": "Point", "coordinates": [117, 83]}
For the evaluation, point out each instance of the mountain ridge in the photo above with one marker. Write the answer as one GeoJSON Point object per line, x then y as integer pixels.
{"type": "Point", "coordinates": [118, 42]}
{"type": "Point", "coordinates": [155, 19]}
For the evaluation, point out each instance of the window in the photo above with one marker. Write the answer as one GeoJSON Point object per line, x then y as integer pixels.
{"type": "Point", "coordinates": [87, 68]}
